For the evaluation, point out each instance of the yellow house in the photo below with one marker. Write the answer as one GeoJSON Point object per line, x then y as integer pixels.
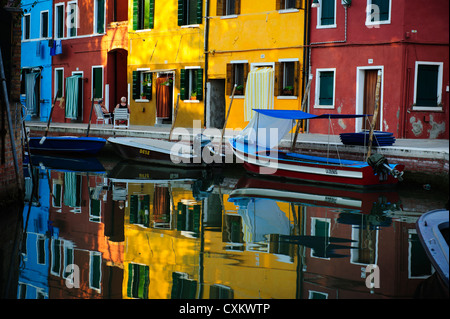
{"type": "Point", "coordinates": [166, 61]}
{"type": "Point", "coordinates": [245, 36]}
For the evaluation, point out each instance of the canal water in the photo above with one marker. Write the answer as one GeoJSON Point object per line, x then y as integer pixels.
{"type": "Point", "coordinates": [100, 228]}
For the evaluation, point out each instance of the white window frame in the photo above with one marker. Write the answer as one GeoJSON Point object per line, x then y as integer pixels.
{"type": "Point", "coordinates": [41, 26]}
{"type": "Point", "coordinates": [56, 84]}
{"type": "Point", "coordinates": [313, 232]}
{"type": "Point", "coordinates": [439, 89]}
{"type": "Point", "coordinates": [103, 79]}
{"type": "Point", "coordinates": [369, 15]}
{"type": "Point", "coordinates": [317, 92]}
{"type": "Point", "coordinates": [94, 31]}
{"type": "Point", "coordinates": [319, 16]}
{"type": "Point", "coordinates": [61, 4]}
{"type": "Point", "coordinates": [189, 78]}
{"type": "Point", "coordinates": [24, 31]}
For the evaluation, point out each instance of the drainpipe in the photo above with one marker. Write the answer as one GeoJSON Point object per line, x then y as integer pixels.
{"type": "Point", "coordinates": [205, 50]}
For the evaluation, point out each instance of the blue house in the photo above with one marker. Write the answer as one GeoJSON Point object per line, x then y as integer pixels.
{"type": "Point", "coordinates": [36, 61]}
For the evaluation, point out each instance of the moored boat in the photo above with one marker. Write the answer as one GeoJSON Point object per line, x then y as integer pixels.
{"type": "Point", "coordinates": [257, 148]}
{"type": "Point", "coordinates": [66, 144]}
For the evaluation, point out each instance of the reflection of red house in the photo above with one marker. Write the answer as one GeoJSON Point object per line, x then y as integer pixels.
{"type": "Point", "coordinates": [395, 249]}
{"type": "Point", "coordinates": [83, 219]}
{"type": "Point", "coordinates": [407, 41]}
{"type": "Point", "coordinates": [94, 38]}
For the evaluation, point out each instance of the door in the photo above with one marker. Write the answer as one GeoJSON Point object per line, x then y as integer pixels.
{"type": "Point", "coordinates": [370, 84]}
{"type": "Point", "coordinates": [164, 98]}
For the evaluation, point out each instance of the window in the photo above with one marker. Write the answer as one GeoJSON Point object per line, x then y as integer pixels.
{"type": "Point", "coordinates": [56, 257]}
{"type": "Point", "coordinates": [378, 12]}
{"type": "Point", "coordinates": [140, 210]}
{"type": "Point", "coordinates": [143, 14]}
{"type": "Point", "coordinates": [228, 7]}
{"type": "Point", "coordinates": [59, 82]}
{"type": "Point", "coordinates": [138, 281]}
{"type": "Point", "coordinates": [191, 81]}
{"type": "Point", "coordinates": [95, 270]}
{"type": "Point", "coordinates": [99, 13]}
{"type": "Point", "coordinates": [288, 4]}
{"type": "Point", "coordinates": [237, 75]}
{"type": "Point", "coordinates": [59, 21]}
{"type": "Point", "coordinates": [72, 19]}
{"type": "Point", "coordinates": [325, 88]}
{"type": "Point", "coordinates": [97, 82]}
{"type": "Point", "coordinates": [190, 12]}
{"type": "Point", "coordinates": [44, 24]}
{"type": "Point", "coordinates": [428, 86]}
{"type": "Point", "coordinates": [26, 27]}
{"type": "Point", "coordinates": [326, 15]}
{"type": "Point", "coordinates": [320, 229]}
{"type": "Point", "coordinates": [142, 85]}
{"type": "Point", "coordinates": [287, 77]}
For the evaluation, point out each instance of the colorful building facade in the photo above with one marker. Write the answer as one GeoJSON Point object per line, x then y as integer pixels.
{"type": "Point", "coordinates": [166, 63]}
{"type": "Point", "coordinates": [245, 36]}
{"type": "Point", "coordinates": [91, 61]}
{"type": "Point", "coordinates": [406, 41]}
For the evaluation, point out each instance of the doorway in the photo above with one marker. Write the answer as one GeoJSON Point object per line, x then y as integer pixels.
{"type": "Point", "coordinates": [164, 97]}
{"type": "Point", "coordinates": [365, 96]}
{"type": "Point", "coordinates": [116, 78]}
{"type": "Point", "coordinates": [216, 104]}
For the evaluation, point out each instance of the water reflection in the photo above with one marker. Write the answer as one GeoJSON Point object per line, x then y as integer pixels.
{"type": "Point", "coordinates": [136, 231]}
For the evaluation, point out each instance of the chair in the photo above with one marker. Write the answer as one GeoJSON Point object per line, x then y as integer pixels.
{"type": "Point", "coordinates": [100, 115]}
{"type": "Point", "coordinates": [120, 115]}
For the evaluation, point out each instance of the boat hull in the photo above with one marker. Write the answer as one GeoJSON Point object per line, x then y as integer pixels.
{"type": "Point", "coordinates": [67, 144]}
{"type": "Point", "coordinates": [433, 229]}
{"type": "Point", "coordinates": [158, 152]}
{"type": "Point", "coordinates": [356, 174]}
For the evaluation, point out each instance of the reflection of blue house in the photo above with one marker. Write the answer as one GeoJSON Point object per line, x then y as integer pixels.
{"type": "Point", "coordinates": [36, 248]}
{"type": "Point", "coordinates": [36, 60]}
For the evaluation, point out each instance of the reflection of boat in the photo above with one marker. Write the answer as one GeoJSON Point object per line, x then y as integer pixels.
{"type": "Point", "coordinates": [79, 164]}
{"type": "Point", "coordinates": [162, 152]}
{"type": "Point", "coordinates": [315, 195]}
{"type": "Point", "coordinates": [256, 148]}
{"type": "Point", "coordinates": [433, 231]}
{"type": "Point", "coordinates": [67, 144]}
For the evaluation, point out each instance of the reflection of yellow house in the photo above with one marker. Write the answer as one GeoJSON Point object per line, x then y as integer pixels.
{"type": "Point", "coordinates": [166, 58]}
{"type": "Point", "coordinates": [245, 35]}
{"type": "Point", "coordinates": [161, 259]}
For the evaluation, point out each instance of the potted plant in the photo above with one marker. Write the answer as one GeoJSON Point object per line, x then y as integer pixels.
{"type": "Point", "coordinates": [167, 82]}
{"type": "Point", "coordinates": [146, 83]}
{"type": "Point", "coordinates": [239, 90]}
{"type": "Point", "coordinates": [194, 95]}
{"type": "Point", "coordinates": [288, 90]}
{"type": "Point", "coordinates": [143, 96]}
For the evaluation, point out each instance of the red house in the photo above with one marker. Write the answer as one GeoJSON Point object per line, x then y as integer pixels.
{"type": "Point", "coordinates": [406, 40]}
{"type": "Point", "coordinates": [91, 38]}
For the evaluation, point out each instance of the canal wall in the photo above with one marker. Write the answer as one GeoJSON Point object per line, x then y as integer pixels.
{"type": "Point", "coordinates": [426, 161]}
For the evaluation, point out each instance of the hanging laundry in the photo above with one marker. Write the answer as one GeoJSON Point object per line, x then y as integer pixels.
{"type": "Point", "coordinates": [56, 48]}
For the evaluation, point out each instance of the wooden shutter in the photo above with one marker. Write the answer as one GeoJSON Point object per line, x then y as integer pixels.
{"type": "Point", "coordinates": [278, 83]}
{"type": "Point", "coordinates": [146, 14]}
{"type": "Point", "coordinates": [100, 16]}
{"type": "Point", "coordinates": [199, 11]}
{"type": "Point", "coordinates": [181, 12]}
{"type": "Point", "coordinates": [199, 88]}
{"type": "Point", "coordinates": [237, 7]}
{"type": "Point", "coordinates": [427, 85]}
{"type": "Point", "coordinates": [278, 4]}
{"type": "Point", "coordinates": [246, 71]}
{"type": "Point", "coordinates": [230, 78]}
{"type": "Point", "coordinates": [151, 15]}
{"type": "Point", "coordinates": [136, 80]}
{"type": "Point", "coordinates": [327, 17]}
{"type": "Point", "coordinates": [297, 78]}
{"type": "Point", "coordinates": [147, 90]}
{"type": "Point", "coordinates": [326, 88]}
{"type": "Point", "coordinates": [220, 7]}
{"type": "Point", "coordinates": [183, 85]}
{"type": "Point", "coordinates": [135, 14]}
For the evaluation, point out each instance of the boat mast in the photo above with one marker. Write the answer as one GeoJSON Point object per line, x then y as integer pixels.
{"type": "Point", "coordinates": [297, 129]}
{"type": "Point", "coordinates": [375, 113]}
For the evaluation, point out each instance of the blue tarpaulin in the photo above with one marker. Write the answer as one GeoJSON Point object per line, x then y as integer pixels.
{"type": "Point", "coordinates": [300, 115]}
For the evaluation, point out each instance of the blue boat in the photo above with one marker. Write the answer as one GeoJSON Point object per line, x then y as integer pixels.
{"type": "Point", "coordinates": [67, 144]}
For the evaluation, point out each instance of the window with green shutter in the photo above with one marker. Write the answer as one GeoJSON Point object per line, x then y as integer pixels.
{"type": "Point", "coordinates": [99, 16]}
{"type": "Point", "coordinates": [190, 12]}
{"type": "Point", "coordinates": [142, 85]}
{"type": "Point", "coordinates": [191, 84]}
{"type": "Point", "coordinates": [138, 281]}
{"type": "Point", "coordinates": [143, 14]}
{"type": "Point", "coordinates": [427, 85]}
{"type": "Point", "coordinates": [327, 12]}
{"type": "Point", "coordinates": [326, 88]}
{"type": "Point", "coordinates": [97, 82]}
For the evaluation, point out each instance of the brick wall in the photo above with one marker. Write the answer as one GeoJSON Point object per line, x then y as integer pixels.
{"type": "Point", "coordinates": [10, 42]}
